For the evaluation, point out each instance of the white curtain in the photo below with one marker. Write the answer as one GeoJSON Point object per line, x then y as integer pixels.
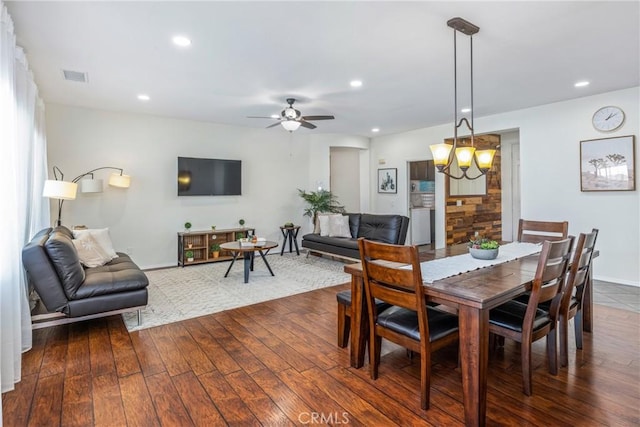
{"type": "Point", "coordinates": [24, 211]}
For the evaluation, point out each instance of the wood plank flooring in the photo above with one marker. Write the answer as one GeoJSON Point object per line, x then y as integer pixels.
{"type": "Point", "coordinates": [277, 363]}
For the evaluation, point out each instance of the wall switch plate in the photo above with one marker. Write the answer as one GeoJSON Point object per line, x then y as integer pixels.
{"type": "Point", "coordinates": [458, 202]}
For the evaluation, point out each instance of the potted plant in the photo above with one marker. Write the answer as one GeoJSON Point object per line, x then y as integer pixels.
{"type": "Point", "coordinates": [320, 201]}
{"type": "Point", "coordinates": [213, 228]}
{"type": "Point", "coordinates": [189, 256]}
{"type": "Point", "coordinates": [187, 226]}
{"type": "Point", "coordinates": [483, 248]}
{"type": "Point", "coordinates": [215, 250]}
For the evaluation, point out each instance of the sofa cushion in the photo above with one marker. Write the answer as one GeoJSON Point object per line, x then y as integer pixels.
{"type": "Point", "coordinates": [102, 237]}
{"type": "Point", "coordinates": [354, 223]}
{"type": "Point", "coordinates": [339, 226]}
{"type": "Point", "coordinates": [119, 275]}
{"type": "Point", "coordinates": [380, 228]}
{"type": "Point", "coordinates": [323, 222]}
{"type": "Point", "coordinates": [90, 252]}
{"type": "Point", "coordinates": [64, 258]}
{"type": "Point", "coordinates": [344, 242]}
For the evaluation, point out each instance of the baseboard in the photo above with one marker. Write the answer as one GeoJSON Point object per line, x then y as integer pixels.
{"type": "Point", "coordinates": [616, 281]}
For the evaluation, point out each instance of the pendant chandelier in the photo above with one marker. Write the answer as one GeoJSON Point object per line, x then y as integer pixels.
{"type": "Point", "coordinates": [444, 154]}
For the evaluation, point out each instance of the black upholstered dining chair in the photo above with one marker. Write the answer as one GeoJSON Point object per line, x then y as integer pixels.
{"type": "Point", "coordinates": [539, 231]}
{"type": "Point", "coordinates": [526, 322]}
{"type": "Point", "coordinates": [409, 322]}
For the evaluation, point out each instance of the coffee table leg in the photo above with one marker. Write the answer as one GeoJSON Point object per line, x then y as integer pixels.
{"type": "Point", "coordinates": [235, 255]}
{"type": "Point", "coordinates": [248, 261]}
{"type": "Point", "coordinates": [266, 263]}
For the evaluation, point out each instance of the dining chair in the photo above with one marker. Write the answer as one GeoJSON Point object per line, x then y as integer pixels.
{"type": "Point", "coordinates": [344, 316]}
{"type": "Point", "coordinates": [539, 231]}
{"type": "Point", "coordinates": [573, 294]}
{"type": "Point", "coordinates": [392, 274]}
{"type": "Point", "coordinates": [526, 322]}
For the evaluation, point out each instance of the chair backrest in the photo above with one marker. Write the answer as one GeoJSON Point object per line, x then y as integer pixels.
{"type": "Point", "coordinates": [392, 274]}
{"type": "Point", "coordinates": [549, 279]}
{"type": "Point", "coordinates": [539, 231]}
{"type": "Point", "coordinates": [579, 270]}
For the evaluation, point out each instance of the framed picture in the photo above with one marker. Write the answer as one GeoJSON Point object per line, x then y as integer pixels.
{"type": "Point", "coordinates": [608, 164]}
{"type": "Point", "coordinates": [388, 180]}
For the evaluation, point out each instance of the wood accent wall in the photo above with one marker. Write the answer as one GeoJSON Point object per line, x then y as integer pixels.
{"type": "Point", "coordinates": [482, 214]}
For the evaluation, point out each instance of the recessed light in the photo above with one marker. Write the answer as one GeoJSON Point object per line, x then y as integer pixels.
{"type": "Point", "coordinates": [375, 130]}
{"type": "Point", "coordinates": [356, 83]}
{"type": "Point", "coordinates": [181, 41]}
{"type": "Point", "coordinates": [582, 84]}
{"type": "Point", "coordinates": [143, 97]}
{"type": "Point", "coordinates": [465, 110]}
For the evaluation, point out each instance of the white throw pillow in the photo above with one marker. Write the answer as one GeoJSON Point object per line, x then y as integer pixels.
{"type": "Point", "coordinates": [339, 226]}
{"type": "Point", "coordinates": [101, 235]}
{"type": "Point", "coordinates": [89, 251]}
{"type": "Point", "coordinates": [323, 221]}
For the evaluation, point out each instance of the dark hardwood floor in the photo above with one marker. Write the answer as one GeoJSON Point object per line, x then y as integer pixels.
{"type": "Point", "coordinates": [277, 363]}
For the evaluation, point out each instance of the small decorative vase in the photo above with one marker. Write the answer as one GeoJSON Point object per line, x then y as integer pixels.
{"type": "Point", "coordinates": [486, 254]}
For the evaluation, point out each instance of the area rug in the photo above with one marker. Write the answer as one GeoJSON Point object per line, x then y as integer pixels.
{"type": "Point", "coordinates": [182, 293]}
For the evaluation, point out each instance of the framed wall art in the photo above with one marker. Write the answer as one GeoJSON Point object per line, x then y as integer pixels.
{"type": "Point", "coordinates": [608, 164]}
{"type": "Point", "coordinates": [388, 180]}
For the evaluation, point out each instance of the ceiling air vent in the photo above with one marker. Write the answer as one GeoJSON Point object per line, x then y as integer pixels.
{"type": "Point", "coordinates": [75, 76]}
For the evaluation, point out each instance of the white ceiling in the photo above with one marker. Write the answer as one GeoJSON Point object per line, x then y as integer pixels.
{"type": "Point", "coordinates": [248, 57]}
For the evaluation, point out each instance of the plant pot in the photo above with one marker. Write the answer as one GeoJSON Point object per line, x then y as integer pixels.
{"type": "Point", "coordinates": [486, 254]}
{"type": "Point", "coordinates": [189, 245]}
{"type": "Point", "coordinates": [215, 254]}
{"type": "Point", "coordinates": [189, 259]}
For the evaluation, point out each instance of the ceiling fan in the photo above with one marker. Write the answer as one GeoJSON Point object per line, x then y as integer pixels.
{"type": "Point", "coordinates": [291, 119]}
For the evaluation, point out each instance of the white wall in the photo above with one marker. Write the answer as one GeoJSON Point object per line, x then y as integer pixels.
{"type": "Point", "coordinates": [144, 219]}
{"type": "Point", "coordinates": [550, 138]}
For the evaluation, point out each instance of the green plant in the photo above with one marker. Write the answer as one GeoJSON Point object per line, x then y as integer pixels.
{"type": "Point", "coordinates": [187, 225]}
{"type": "Point", "coordinates": [215, 247]}
{"type": "Point", "coordinates": [483, 243]}
{"type": "Point", "coordinates": [241, 222]}
{"type": "Point", "coordinates": [188, 254]}
{"type": "Point", "coordinates": [320, 201]}
{"type": "Point", "coordinates": [213, 228]}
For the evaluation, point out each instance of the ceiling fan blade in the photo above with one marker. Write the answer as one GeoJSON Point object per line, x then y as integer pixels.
{"type": "Point", "coordinates": [260, 117]}
{"type": "Point", "coordinates": [307, 125]}
{"type": "Point", "coordinates": [273, 125]}
{"type": "Point", "coordinates": [318, 118]}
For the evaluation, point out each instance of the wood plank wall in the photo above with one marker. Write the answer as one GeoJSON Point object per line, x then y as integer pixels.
{"type": "Point", "coordinates": [482, 214]}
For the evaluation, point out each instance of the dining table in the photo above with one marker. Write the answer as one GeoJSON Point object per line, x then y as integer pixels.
{"type": "Point", "coordinates": [473, 294]}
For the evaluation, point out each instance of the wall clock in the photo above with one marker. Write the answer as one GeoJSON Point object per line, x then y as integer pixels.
{"type": "Point", "coordinates": [608, 119]}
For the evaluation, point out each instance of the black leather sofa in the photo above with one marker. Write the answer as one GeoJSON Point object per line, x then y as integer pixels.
{"type": "Point", "coordinates": [71, 292]}
{"type": "Point", "coordinates": [381, 228]}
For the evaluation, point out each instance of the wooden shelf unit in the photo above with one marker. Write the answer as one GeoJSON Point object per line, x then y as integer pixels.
{"type": "Point", "coordinates": [199, 242]}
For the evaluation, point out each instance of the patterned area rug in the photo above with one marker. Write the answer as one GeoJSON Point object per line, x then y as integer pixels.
{"type": "Point", "coordinates": [182, 293]}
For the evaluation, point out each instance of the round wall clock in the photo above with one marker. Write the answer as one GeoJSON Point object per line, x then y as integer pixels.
{"type": "Point", "coordinates": [608, 119]}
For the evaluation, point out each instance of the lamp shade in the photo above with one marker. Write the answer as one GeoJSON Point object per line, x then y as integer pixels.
{"type": "Point", "coordinates": [59, 189]}
{"type": "Point", "coordinates": [440, 153]}
{"type": "Point", "coordinates": [290, 125]}
{"type": "Point", "coordinates": [91, 186]}
{"type": "Point", "coordinates": [117, 180]}
{"type": "Point", "coordinates": [484, 158]}
{"type": "Point", "coordinates": [464, 155]}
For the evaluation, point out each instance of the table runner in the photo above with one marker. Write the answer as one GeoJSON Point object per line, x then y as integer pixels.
{"type": "Point", "coordinates": [454, 265]}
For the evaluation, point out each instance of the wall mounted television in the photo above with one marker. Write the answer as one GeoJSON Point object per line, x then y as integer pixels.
{"type": "Point", "coordinates": [209, 177]}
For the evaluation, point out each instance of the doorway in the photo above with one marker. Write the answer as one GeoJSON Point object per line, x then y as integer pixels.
{"type": "Point", "coordinates": [421, 202]}
{"type": "Point", "coordinates": [344, 166]}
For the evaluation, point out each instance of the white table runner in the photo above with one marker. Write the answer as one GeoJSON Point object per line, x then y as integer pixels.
{"type": "Point", "coordinates": [451, 266]}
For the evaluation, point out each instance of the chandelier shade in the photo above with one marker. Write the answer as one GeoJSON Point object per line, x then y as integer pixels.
{"type": "Point", "coordinates": [290, 125]}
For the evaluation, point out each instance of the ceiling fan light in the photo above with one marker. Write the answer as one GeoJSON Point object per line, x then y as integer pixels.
{"type": "Point", "coordinates": [290, 113]}
{"type": "Point", "coordinates": [290, 125]}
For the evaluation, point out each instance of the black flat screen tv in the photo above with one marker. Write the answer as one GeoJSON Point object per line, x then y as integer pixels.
{"type": "Point", "coordinates": [209, 177]}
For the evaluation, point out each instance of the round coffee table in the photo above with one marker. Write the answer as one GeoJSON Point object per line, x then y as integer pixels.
{"type": "Point", "coordinates": [248, 253]}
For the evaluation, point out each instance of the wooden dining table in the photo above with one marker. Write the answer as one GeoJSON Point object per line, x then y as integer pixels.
{"type": "Point", "coordinates": [473, 294]}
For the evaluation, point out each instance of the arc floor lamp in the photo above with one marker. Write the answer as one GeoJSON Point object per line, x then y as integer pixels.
{"type": "Point", "coordinates": [62, 190]}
